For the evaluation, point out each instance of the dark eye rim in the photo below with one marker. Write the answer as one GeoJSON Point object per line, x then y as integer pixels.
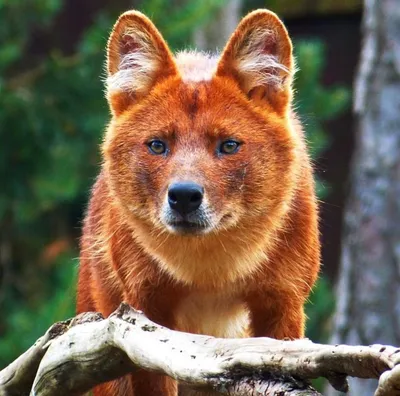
{"type": "Point", "coordinates": [152, 141]}
{"type": "Point", "coordinates": [221, 145]}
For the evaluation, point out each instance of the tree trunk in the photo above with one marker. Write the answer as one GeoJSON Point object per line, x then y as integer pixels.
{"type": "Point", "coordinates": [368, 293]}
{"type": "Point", "coordinates": [214, 35]}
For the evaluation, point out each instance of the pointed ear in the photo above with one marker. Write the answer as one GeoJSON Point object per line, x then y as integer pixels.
{"type": "Point", "coordinates": [259, 57]}
{"type": "Point", "coordinates": [137, 59]}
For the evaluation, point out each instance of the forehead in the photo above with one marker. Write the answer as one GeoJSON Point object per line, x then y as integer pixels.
{"type": "Point", "coordinates": [191, 110]}
{"type": "Point", "coordinates": [196, 66]}
{"type": "Point", "coordinates": [196, 108]}
{"type": "Point", "coordinates": [198, 103]}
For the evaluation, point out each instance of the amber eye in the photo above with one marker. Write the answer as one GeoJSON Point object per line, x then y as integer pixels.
{"type": "Point", "coordinates": [157, 147]}
{"type": "Point", "coordinates": [229, 147]}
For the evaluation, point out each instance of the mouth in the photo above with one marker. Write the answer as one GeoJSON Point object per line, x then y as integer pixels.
{"type": "Point", "coordinates": [187, 227]}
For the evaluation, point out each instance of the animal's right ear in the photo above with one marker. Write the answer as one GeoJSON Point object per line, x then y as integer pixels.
{"type": "Point", "coordinates": [137, 59]}
{"type": "Point", "coordinates": [259, 58]}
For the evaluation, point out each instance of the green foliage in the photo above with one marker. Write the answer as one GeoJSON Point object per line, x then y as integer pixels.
{"type": "Point", "coordinates": [315, 104]}
{"type": "Point", "coordinates": [27, 324]}
{"type": "Point", "coordinates": [319, 309]}
{"type": "Point", "coordinates": [177, 24]}
{"type": "Point", "coordinates": [52, 116]}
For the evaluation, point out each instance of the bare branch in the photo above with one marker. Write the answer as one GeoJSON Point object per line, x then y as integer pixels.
{"type": "Point", "coordinates": [74, 356]}
{"type": "Point", "coordinates": [18, 377]}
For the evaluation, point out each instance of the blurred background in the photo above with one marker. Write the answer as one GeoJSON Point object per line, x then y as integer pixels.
{"type": "Point", "coordinates": [53, 114]}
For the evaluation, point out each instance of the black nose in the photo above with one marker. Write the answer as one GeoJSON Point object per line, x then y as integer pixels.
{"type": "Point", "coordinates": [185, 197]}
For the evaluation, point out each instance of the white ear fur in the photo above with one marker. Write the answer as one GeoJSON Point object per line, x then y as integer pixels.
{"type": "Point", "coordinates": [259, 68]}
{"type": "Point", "coordinates": [137, 68]}
{"type": "Point", "coordinates": [137, 58]}
{"type": "Point", "coordinates": [259, 57]}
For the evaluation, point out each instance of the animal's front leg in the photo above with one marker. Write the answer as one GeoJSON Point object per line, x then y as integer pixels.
{"type": "Point", "coordinates": [158, 305]}
{"type": "Point", "coordinates": [141, 383]}
{"type": "Point", "coordinates": [276, 315]}
{"type": "Point", "coordinates": [153, 384]}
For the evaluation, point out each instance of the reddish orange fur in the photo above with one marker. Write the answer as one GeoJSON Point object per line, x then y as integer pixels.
{"type": "Point", "coordinates": [251, 274]}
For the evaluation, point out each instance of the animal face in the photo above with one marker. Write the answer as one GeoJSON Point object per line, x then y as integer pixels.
{"type": "Point", "coordinates": [197, 144]}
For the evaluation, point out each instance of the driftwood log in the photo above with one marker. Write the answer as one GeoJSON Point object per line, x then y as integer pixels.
{"type": "Point", "coordinates": [75, 355]}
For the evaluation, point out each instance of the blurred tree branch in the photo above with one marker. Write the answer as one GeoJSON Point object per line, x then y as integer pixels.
{"type": "Point", "coordinates": [75, 355]}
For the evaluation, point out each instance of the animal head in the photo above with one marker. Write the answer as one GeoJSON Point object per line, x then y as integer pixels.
{"type": "Point", "coordinates": [200, 143]}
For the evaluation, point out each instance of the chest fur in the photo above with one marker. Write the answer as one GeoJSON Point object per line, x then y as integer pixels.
{"type": "Point", "coordinates": [212, 314]}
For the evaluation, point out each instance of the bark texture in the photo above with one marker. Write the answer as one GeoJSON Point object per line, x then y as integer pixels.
{"type": "Point", "coordinates": [74, 356]}
{"type": "Point", "coordinates": [368, 293]}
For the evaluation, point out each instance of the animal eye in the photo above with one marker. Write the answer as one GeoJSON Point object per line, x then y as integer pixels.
{"type": "Point", "coordinates": [229, 147]}
{"type": "Point", "coordinates": [157, 147]}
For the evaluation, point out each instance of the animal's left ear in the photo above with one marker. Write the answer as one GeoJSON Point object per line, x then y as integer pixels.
{"type": "Point", "coordinates": [137, 59]}
{"type": "Point", "coordinates": [259, 58]}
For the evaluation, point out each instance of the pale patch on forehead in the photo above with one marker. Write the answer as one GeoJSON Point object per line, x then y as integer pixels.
{"type": "Point", "coordinates": [196, 66]}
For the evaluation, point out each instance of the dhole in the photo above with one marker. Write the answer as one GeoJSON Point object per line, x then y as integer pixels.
{"type": "Point", "coordinates": [204, 214]}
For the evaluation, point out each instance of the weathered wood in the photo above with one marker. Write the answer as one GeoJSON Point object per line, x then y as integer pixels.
{"type": "Point", "coordinates": [18, 377]}
{"type": "Point", "coordinates": [74, 356]}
